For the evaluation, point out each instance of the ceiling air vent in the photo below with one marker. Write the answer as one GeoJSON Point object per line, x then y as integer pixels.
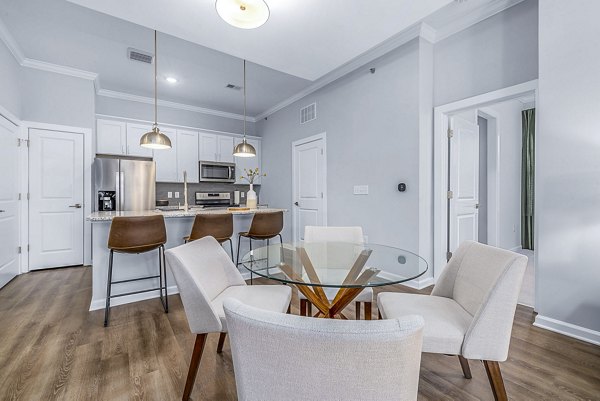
{"type": "Point", "coordinates": [139, 55]}
{"type": "Point", "coordinates": [234, 87]}
{"type": "Point", "coordinates": [308, 113]}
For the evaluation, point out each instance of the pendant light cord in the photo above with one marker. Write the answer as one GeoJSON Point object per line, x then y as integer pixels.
{"type": "Point", "coordinates": [155, 83]}
{"type": "Point", "coordinates": [244, 100]}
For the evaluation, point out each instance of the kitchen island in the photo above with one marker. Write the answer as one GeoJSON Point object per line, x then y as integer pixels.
{"type": "Point", "coordinates": [125, 266]}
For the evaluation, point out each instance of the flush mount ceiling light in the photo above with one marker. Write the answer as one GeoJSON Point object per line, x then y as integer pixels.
{"type": "Point", "coordinates": [155, 139]}
{"type": "Point", "coordinates": [171, 80]}
{"type": "Point", "coordinates": [244, 149]}
{"type": "Point", "coordinates": [245, 14]}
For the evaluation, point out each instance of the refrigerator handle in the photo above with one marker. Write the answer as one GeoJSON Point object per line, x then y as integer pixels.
{"type": "Point", "coordinates": [122, 190]}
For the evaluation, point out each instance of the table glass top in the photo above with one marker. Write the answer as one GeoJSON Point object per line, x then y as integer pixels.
{"type": "Point", "coordinates": [335, 264]}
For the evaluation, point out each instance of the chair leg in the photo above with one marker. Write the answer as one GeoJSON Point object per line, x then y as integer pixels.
{"type": "Point", "coordinates": [379, 314]}
{"type": "Point", "coordinates": [368, 310]}
{"type": "Point", "coordinates": [357, 308]}
{"type": "Point", "coordinates": [464, 364]}
{"type": "Point", "coordinates": [164, 266]}
{"type": "Point", "coordinates": [108, 286]}
{"type": "Point", "coordinates": [237, 261]}
{"type": "Point", "coordinates": [289, 309]}
{"type": "Point", "coordinates": [194, 364]}
{"type": "Point", "coordinates": [221, 342]}
{"type": "Point", "coordinates": [308, 308]}
{"type": "Point", "coordinates": [303, 307]}
{"type": "Point", "coordinates": [492, 368]}
{"type": "Point", "coordinates": [231, 248]}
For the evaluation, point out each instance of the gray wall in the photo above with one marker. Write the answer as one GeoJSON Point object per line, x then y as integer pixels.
{"type": "Point", "coordinates": [57, 99]}
{"type": "Point", "coordinates": [372, 125]}
{"type": "Point", "coordinates": [167, 115]}
{"type": "Point", "coordinates": [10, 94]}
{"type": "Point", "coordinates": [568, 164]}
{"type": "Point", "coordinates": [498, 52]}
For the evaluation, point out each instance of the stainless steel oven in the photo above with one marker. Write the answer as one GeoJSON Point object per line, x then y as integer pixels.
{"type": "Point", "coordinates": [217, 172]}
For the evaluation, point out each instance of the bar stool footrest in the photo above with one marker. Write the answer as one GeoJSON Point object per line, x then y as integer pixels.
{"type": "Point", "coordinates": [139, 292]}
{"type": "Point", "coordinates": [134, 279]}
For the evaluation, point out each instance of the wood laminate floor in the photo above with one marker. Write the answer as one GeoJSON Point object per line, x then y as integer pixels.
{"type": "Point", "coordinates": [52, 348]}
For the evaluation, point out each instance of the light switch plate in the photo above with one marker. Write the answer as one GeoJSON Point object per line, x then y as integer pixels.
{"type": "Point", "coordinates": [169, 195]}
{"type": "Point", "coordinates": [176, 195]}
{"type": "Point", "coordinates": [361, 190]}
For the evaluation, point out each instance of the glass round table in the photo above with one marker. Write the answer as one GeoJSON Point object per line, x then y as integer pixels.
{"type": "Point", "coordinates": [346, 266]}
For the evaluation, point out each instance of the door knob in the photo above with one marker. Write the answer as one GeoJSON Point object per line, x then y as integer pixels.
{"type": "Point", "coordinates": [296, 203]}
{"type": "Point", "coordinates": [2, 211]}
{"type": "Point", "coordinates": [76, 206]}
{"type": "Point", "coordinates": [477, 206]}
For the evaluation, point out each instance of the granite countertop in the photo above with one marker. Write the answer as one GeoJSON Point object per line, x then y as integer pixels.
{"type": "Point", "coordinates": [108, 216]}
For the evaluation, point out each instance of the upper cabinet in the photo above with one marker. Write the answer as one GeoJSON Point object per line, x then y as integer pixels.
{"type": "Point", "coordinates": [248, 163]}
{"type": "Point", "coordinates": [187, 155]}
{"type": "Point", "coordinates": [111, 137]}
{"type": "Point", "coordinates": [215, 148]}
{"type": "Point", "coordinates": [134, 134]}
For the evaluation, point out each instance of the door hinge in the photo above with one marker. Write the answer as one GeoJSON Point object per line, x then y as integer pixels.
{"type": "Point", "coordinates": [450, 195]}
{"type": "Point", "coordinates": [21, 141]}
{"type": "Point", "coordinates": [450, 133]}
{"type": "Point", "coordinates": [19, 249]}
{"type": "Point", "coordinates": [448, 256]}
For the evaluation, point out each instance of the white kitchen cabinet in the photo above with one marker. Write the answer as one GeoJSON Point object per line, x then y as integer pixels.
{"type": "Point", "coordinates": [215, 148]}
{"type": "Point", "coordinates": [249, 163]}
{"type": "Point", "coordinates": [166, 159]}
{"type": "Point", "coordinates": [208, 147]}
{"type": "Point", "coordinates": [111, 137]}
{"type": "Point", "coordinates": [134, 133]}
{"type": "Point", "coordinates": [187, 155]}
{"type": "Point", "coordinates": [225, 148]}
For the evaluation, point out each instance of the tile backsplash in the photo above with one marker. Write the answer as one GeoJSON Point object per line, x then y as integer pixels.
{"type": "Point", "coordinates": [162, 189]}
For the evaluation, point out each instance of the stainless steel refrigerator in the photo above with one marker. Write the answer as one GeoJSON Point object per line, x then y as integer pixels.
{"type": "Point", "coordinates": [132, 183]}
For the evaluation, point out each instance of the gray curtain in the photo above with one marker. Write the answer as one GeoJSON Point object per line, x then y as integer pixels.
{"type": "Point", "coordinates": [527, 178]}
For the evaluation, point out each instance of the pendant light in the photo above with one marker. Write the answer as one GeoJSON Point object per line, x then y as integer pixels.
{"type": "Point", "coordinates": [244, 149]}
{"type": "Point", "coordinates": [155, 139]}
{"type": "Point", "coordinates": [245, 14]}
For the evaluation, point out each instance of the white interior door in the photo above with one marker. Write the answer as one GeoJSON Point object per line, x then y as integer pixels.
{"type": "Point", "coordinates": [9, 220]}
{"type": "Point", "coordinates": [309, 185]}
{"type": "Point", "coordinates": [56, 199]}
{"type": "Point", "coordinates": [464, 182]}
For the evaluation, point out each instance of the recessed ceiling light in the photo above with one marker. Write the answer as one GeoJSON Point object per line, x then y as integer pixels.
{"type": "Point", "coordinates": [245, 14]}
{"type": "Point", "coordinates": [171, 80]}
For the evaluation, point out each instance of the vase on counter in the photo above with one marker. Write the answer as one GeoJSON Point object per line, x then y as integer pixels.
{"type": "Point", "coordinates": [251, 198]}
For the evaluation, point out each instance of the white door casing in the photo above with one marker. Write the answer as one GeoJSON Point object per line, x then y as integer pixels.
{"type": "Point", "coordinates": [9, 203]}
{"type": "Point", "coordinates": [56, 210]}
{"type": "Point", "coordinates": [309, 160]}
{"type": "Point", "coordinates": [464, 182]}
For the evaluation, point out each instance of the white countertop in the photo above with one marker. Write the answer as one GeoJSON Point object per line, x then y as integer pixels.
{"type": "Point", "coordinates": [108, 216]}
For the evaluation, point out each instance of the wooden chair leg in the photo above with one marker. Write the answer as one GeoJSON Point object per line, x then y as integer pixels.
{"type": "Point", "coordinates": [368, 310]}
{"type": "Point", "coordinates": [308, 308]}
{"type": "Point", "coordinates": [289, 309]}
{"type": "Point", "coordinates": [492, 368]}
{"type": "Point", "coordinates": [464, 364]}
{"type": "Point", "coordinates": [221, 342]}
{"type": "Point", "coordinates": [194, 364]}
{"type": "Point", "coordinates": [357, 307]}
{"type": "Point", "coordinates": [303, 307]}
{"type": "Point", "coordinates": [379, 314]}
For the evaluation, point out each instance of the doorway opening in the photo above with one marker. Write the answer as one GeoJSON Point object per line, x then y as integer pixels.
{"type": "Point", "coordinates": [484, 173]}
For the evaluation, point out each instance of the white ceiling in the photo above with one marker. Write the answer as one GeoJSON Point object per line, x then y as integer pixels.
{"type": "Point", "coordinates": [304, 38]}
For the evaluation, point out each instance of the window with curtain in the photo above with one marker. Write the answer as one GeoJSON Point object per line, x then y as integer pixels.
{"type": "Point", "coordinates": [527, 178]}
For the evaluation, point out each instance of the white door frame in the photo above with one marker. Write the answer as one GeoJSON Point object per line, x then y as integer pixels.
{"type": "Point", "coordinates": [440, 172]}
{"type": "Point", "coordinates": [88, 158]}
{"type": "Point", "coordinates": [302, 141]}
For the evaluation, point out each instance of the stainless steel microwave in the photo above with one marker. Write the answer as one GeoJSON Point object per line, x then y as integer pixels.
{"type": "Point", "coordinates": [217, 172]}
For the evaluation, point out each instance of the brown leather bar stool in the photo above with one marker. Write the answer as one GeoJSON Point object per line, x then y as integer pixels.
{"type": "Point", "coordinates": [137, 235]}
{"type": "Point", "coordinates": [264, 226]}
{"type": "Point", "coordinates": [219, 226]}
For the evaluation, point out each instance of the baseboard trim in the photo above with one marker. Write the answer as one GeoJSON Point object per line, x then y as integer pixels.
{"type": "Point", "coordinates": [567, 329]}
{"type": "Point", "coordinates": [101, 303]}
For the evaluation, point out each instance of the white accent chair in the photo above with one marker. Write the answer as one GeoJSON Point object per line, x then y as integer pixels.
{"type": "Point", "coordinates": [471, 309]}
{"type": "Point", "coordinates": [285, 357]}
{"type": "Point", "coordinates": [337, 234]}
{"type": "Point", "coordinates": [205, 276]}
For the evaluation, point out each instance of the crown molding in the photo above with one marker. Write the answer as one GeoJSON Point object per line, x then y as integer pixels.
{"type": "Point", "coordinates": [174, 105]}
{"type": "Point", "coordinates": [464, 21]}
{"type": "Point", "coordinates": [10, 43]}
{"type": "Point", "coordinates": [59, 69]}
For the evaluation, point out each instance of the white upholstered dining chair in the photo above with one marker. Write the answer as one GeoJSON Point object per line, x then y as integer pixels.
{"type": "Point", "coordinates": [471, 309]}
{"type": "Point", "coordinates": [205, 276]}
{"type": "Point", "coordinates": [285, 357]}
{"type": "Point", "coordinates": [352, 235]}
